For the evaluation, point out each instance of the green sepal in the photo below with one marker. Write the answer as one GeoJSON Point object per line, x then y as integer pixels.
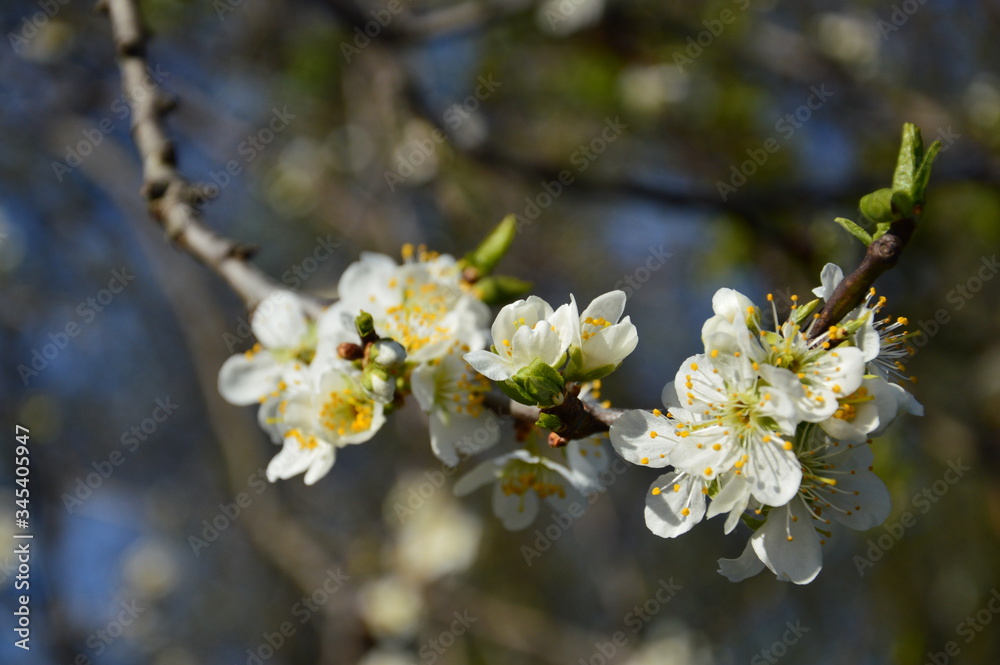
{"type": "Point", "coordinates": [854, 325]}
{"type": "Point", "coordinates": [540, 382]}
{"type": "Point", "coordinates": [592, 375]}
{"type": "Point", "coordinates": [855, 230]}
{"type": "Point", "coordinates": [501, 289]}
{"type": "Point", "coordinates": [494, 246]}
{"type": "Point", "coordinates": [365, 325]}
{"type": "Point", "coordinates": [802, 312]}
{"type": "Point", "coordinates": [549, 421]}
{"type": "Point", "coordinates": [511, 390]}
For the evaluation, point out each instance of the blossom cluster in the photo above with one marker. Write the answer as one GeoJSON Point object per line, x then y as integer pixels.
{"type": "Point", "coordinates": [773, 428]}
{"type": "Point", "coordinates": [321, 387]}
{"type": "Point", "coordinates": [419, 328]}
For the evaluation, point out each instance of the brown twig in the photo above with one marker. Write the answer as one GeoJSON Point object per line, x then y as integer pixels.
{"type": "Point", "coordinates": [171, 199]}
{"type": "Point", "coordinates": [882, 254]}
{"type": "Point", "coordinates": [580, 418]}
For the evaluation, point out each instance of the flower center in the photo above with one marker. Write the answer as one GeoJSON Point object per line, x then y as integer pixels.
{"type": "Point", "coordinates": [416, 322]}
{"type": "Point", "coordinates": [848, 406]}
{"type": "Point", "coordinates": [596, 325]}
{"type": "Point", "coordinates": [346, 411]}
{"type": "Point", "coordinates": [520, 477]}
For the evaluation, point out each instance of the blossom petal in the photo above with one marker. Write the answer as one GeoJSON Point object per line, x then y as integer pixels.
{"type": "Point", "coordinates": [830, 277]}
{"type": "Point", "coordinates": [490, 365]}
{"type": "Point", "coordinates": [295, 458]}
{"type": "Point", "coordinates": [610, 346]}
{"type": "Point", "coordinates": [734, 491]}
{"type": "Point", "coordinates": [423, 383]}
{"type": "Point", "coordinates": [279, 321]}
{"type": "Point", "coordinates": [587, 459]}
{"type": "Point", "coordinates": [566, 321]}
{"type": "Point", "coordinates": [516, 511]}
{"type": "Point", "coordinates": [788, 544]}
{"type": "Point", "coordinates": [859, 499]}
{"type": "Point", "coordinates": [609, 306]}
{"type": "Point", "coordinates": [746, 565]}
{"type": "Point", "coordinates": [774, 472]}
{"type": "Point", "coordinates": [674, 504]}
{"type": "Point", "coordinates": [483, 474]}
{"type": "Point", "coordinates": [244, 380]}
{"type": "Point", "coordinates": [462, 436]}
{"type": "Point", "coordinates": [630, 436]}
{"type": "Point", "coordinates": [321, 465]}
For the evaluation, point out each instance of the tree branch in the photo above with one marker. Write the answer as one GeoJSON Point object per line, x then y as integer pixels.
{"type": "Point", "coordinates": [580, 418]}
{"type": "Point", "coordinates": [172, 201]}
{"type": "Point", "coordinates": [882, 254]}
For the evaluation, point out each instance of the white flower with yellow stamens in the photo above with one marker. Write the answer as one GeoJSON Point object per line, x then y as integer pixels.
{"type": "Point", "coordinates": [523, 332]}
{"type": "Point", "coordinates": [600, 341]}
{"type": "Point", "coordinates": [837, 485]}
{"type": "Point", "coordinates": [424, 304]}
{"type": "Point", "coordinates": [730, 420]}
{"type": "Point", "coordinates": [331, 412]}
{"type": "Point", "coordinates": [868, 411]}
{"type": "Point", "coordinates": [826, 374]}
{"type": "Point", "coordinates": [520, 482]}
{"type": "Point", "coordinates": [676, 501]}
{"type": "Point", "coordinates": [286, 343]}
{"type": "Point", "coordinates": [452, 393]}
{"type": "Point", "coordinates": [886, 348]}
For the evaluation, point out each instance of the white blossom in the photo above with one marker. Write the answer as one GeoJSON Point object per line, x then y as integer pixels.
{"type": "Point", "coordinates": [286, 342]}
{"type": "Point", "coordinates": [520, 482]}
{"type": "Point", "coordinates": [331, 411]}
{"type": "Point", "coordinates": [452, 394]}
{"type": "Point", "coordinates": [838, 485]}
{"type": "Point", "coordinates": [525, 331]}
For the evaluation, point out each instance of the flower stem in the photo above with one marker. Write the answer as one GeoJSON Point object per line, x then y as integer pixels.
{"type": "Point", "coordinates": [882, 254]}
